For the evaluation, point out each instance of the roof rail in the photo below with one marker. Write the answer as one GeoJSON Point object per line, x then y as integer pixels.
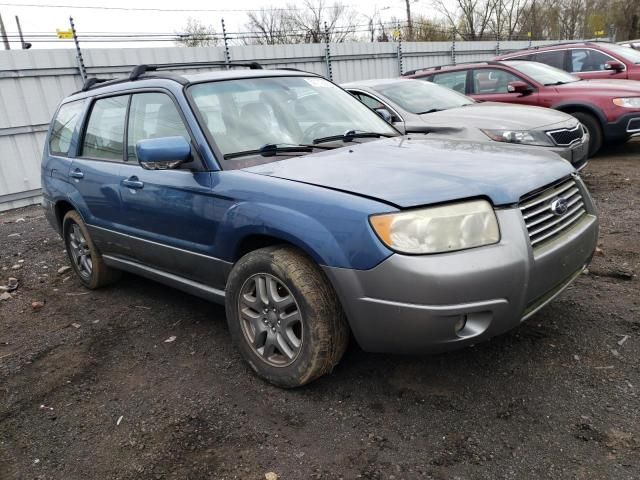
{"type": "Point", "coordinates": [141, 69]}
{"type": "Point", "coordinates": [440, 67]}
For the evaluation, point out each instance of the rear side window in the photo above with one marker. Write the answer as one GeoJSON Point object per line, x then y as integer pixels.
{"type": "Point", "coordinates": [104, 135]}
{"type": "Point", "coordinates": [554, 58]}
{"type": "Point", "coordinates": [63, 127]}
{"type": "Point", "coordinates": [153, 115]}
{"type": "Point", "coordinates": [454, 80]}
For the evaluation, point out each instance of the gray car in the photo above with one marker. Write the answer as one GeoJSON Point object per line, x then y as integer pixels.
{"type": "Point", "coordinates": [412, 105]}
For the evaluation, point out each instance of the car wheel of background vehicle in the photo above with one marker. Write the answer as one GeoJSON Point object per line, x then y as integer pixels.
{"type": "Point", "coordinates": [83, 254]}
{"type": "Point", "coordinates": [594, 129]}
{"type": "Point", "coordinates": [284, 316]}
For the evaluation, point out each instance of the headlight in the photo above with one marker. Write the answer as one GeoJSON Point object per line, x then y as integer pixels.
{"type": "Point", "coordinates": [629, 102]}
{"type": "Point", "coordinates": [524, 137]}
{"type": "Point", "coordinates": [438, 229]}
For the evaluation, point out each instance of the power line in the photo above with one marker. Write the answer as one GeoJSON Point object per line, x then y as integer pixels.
{"type": "Point", "coordinates": [168, 10]}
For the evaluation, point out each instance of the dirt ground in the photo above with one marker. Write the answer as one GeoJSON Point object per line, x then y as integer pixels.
{"type": "Point", "coordinates": [91, 388]}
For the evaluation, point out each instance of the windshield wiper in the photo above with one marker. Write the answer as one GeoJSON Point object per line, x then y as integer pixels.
{"type": "Point", "coordinates": [431, 111]}
{"type": "Point", "coordinates": [349, 135]}
{"type": "Point", "coordinates": [272, 149]}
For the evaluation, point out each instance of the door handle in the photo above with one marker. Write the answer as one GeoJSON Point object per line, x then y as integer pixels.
{"type": "Point", "coordinates": [133, 182]}
{"type": "Point", "coordinates": [77, 173]}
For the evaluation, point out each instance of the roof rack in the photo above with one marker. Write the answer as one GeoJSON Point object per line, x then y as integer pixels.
{"type": "Point", "coordinates": [141, 69]}
{"type": "Point", "coordinates": [440, 67]}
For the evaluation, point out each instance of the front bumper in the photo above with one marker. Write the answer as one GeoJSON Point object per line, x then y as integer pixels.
{"type": "Point", "coordinates": [576, 154]}
{"type": "Point", "coordinates": [626, 126]}
{"type": "Point", "coordinates": [414, 304]}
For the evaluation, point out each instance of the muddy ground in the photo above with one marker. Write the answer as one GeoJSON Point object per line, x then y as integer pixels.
{"type": "Point", "coordinates": [90, 389]}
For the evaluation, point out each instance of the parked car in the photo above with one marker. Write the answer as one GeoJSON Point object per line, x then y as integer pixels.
{"type": "Point", "coordinates": [410, 105]}
{"type": "Point", "coordinates": [610, 110]}
{"type": "Point", "coordinates": [586, 60]}
{"type": "Point", "coordinates": [635, 44]}
{"type": "Point", "coordinates": [280, 195]}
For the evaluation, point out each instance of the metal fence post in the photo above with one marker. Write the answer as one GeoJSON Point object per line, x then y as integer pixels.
{"type": "Point", "coordinates": [327, 52]}
{"type": "Point", "coordinates": [453, 48]}
{"type": "Point", "coordinates": [227, 53]}
{"type": "Point", "coordinates": [81, 67]}
{"type": "Point", "coordinates": [498, 46]}
{"type": "Point", "coordinates": [399, 52]}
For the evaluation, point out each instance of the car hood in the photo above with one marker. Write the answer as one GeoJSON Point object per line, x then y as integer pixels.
{"type": "Point", "coordinates": [409, 172]}
{"type": "Point", "coordinates": [498, 116]}
{"type": "Point", "coordinates": [614, 87]}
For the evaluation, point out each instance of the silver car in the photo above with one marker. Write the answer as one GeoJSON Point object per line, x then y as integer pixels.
{"type": "Point", "coordinates": [415, 105]}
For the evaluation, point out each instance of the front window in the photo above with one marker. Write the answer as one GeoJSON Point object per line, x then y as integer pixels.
{"type": "Point", "coordinates": [419, 97]}
{"type": "Point", "coordinates": [247, 114]}
{"type": "Point", "coordinates": [627, 53]}
{"type": "Point", "coordinates": [454, 80]}
{"type": "Point", "coordinates": [588, 60]}
{"type": "Point", "coordinates": [544, 74]}
{"type": "Point", "coordinates": [488, 81]}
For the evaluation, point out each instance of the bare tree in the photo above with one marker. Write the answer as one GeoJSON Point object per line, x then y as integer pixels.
{"type": "Point", "coordinates": [508, 17]}
{"type": "Point", "coordinates": [471, 18]}
{"type": "Point", "coordinates": [271, 26]}
{"type": "Point", "coordinates": [310, 20]}
{"type": "Point", "coordinates": [196, 34]}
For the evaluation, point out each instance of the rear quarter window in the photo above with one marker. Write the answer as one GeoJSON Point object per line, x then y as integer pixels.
{"type": "Point", "coordinates": [63, 126]}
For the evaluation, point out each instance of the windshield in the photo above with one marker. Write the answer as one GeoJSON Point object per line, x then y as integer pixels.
{"type": "Point", "coordinates": [246, 114]}
{"type": "Point", "coordinates": [544, 74]}
{"type": "Point", "coordinates": [627, 53]}
{"type": "Point", "coordinates": [417, 96]}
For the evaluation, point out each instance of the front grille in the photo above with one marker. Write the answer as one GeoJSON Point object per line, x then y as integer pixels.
{"type": "Point", "coordinates": [565, 136]}
{"type": "Point", "coordinates": [543, 221]}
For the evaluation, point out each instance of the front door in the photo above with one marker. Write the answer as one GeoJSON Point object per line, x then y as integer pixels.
{"type": "Point", "coordinates": [169, 215]}
{"type": "Point", "coordinates": [490, 85]}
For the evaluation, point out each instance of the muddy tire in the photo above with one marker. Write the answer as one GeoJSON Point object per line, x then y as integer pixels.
{"type": "Point", "coordinates": [284, 316]}
{"type": "Point", "coordinates": [84, 257]}
{"type": "Point", "coordinates": [592, 125]}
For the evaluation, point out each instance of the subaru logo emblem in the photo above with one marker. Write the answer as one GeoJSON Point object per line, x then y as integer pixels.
{"type": "Point", "coordinates": [559, 206]}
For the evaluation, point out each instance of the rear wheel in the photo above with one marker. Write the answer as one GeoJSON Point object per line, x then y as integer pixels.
{"type": "Point", "coordinates": [284, 316]}
{"type": "Point", "coordinates": [85, 258]}
{"type": "Point", "coordinates": [592, 125]}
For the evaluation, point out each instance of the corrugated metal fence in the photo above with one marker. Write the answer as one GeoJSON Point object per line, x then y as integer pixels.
{"type": "Point", "coordinates": [32, 83]}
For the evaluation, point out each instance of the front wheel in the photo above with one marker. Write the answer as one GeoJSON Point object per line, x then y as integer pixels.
{"type": "Point", "coordinates": [592, 125]}
{"type": "Point", "coordinates": [284, 316]}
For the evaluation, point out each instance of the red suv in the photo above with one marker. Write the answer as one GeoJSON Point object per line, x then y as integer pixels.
{"type": "Point", "coordinates": [586, 59]}
{"type": "Point", "coordinates": [610, 110]}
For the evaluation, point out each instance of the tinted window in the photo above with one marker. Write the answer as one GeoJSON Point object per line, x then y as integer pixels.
{"type": "Point", "coordinates": [555, 58]}
{"type": "Point", "coordinates": [587, 60]}
{"type": "Point", "coordinates": [492, 80]}
{"type": "Point", "coordinates": [153, 115]}
{"type": "Point", "coordinates": [104, 137]}
{"type": "Point", "coordinates": [454, 80]}
{"type": "Point", "coordinates": [63, 127]}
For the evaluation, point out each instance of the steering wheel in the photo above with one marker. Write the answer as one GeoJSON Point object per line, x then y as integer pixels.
{"type": "Point", "coordinates": [314, 131]}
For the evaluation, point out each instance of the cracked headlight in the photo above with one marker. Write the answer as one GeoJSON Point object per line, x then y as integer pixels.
{"type": "Point", "coordinates": [523, 137]}
{"type": "Point", "coordinates": [445, 228]}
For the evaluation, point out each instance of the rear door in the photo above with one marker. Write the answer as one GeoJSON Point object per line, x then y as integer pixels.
{"type": "Point", "coordinates": [490, 85]}
{"type": "Point", "coordinates": [169, 215]}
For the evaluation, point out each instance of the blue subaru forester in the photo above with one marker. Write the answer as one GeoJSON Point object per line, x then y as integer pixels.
{"type": "Point", "coordinates": [281, 195]}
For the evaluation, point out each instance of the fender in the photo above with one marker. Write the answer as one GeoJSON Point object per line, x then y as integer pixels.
{"type": "Point", "coordinates": [591, 108]}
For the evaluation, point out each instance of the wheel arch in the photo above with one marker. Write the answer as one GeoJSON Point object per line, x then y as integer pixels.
{"type": "Point", "coordinates": [584, 108]}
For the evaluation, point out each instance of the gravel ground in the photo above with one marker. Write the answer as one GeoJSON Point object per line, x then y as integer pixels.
{"type": "Point", "coordinates": [91, 388]}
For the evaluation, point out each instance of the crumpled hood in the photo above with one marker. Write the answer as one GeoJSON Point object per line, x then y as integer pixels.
{"type": "Point", "coordinates": [419, 171]}
{"type": "Point", "coordinates": [498, 116]}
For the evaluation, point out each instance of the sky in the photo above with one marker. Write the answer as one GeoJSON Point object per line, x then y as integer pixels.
{"type": "Point", "coordinates": [38, 17]}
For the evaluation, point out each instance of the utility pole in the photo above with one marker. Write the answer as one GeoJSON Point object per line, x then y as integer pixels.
{"type": "Point", "coordinates": [3, 34]}
{"type": "Point", "coordinates": [23, 44]}
{"type": "Point", "coordinates": [409, 22]}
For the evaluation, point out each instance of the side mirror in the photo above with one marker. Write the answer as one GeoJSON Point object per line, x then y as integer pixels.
{"type": "Point", "coordinates": [614, 65]}
{"type": "Point", "coordinates": [384, 114]}
{"type": "Point", "coordinates": [163, 153]}
{"type": "Point", "coordinates": [519, 87]}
